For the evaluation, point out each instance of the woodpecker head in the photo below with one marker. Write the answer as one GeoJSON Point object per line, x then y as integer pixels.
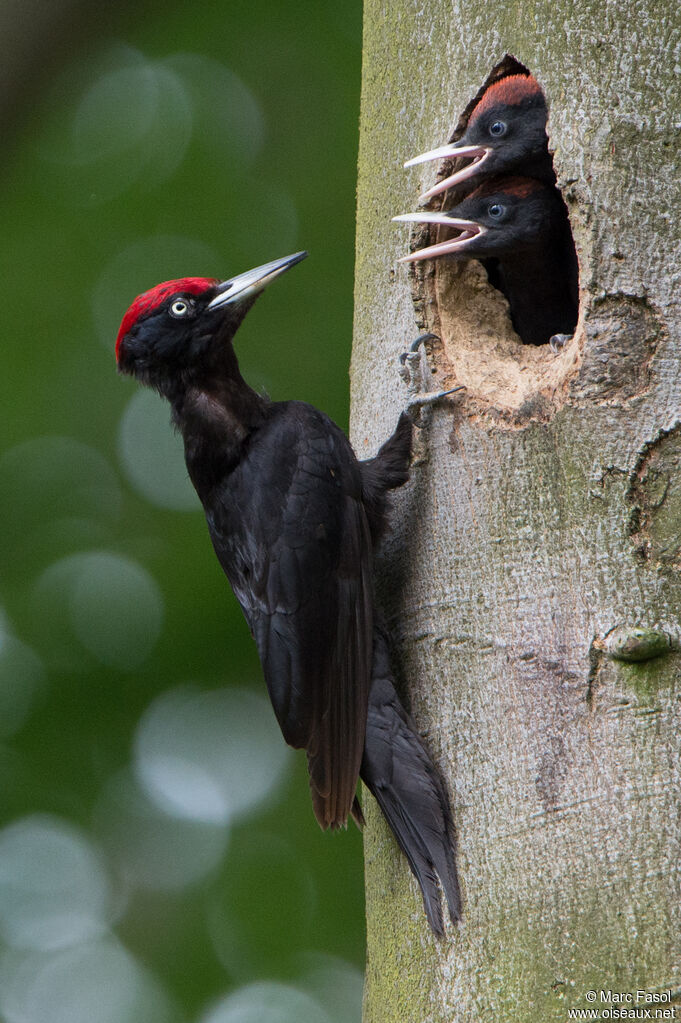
{"type": "Point", "coordinates": [506, 132]}
{"type": "Point", "coordinates": [181, 331]}
{"type": "Point", "coordinates": [502, 217]}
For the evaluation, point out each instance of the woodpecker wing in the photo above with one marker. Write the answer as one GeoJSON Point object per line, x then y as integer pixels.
{"type": "Point", "coordinates": [291, 532]}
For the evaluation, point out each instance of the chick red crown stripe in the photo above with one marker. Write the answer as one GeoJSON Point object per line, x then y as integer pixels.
{"type": "Point", "coordinates": [509, 91]}
{"type": "Point", "coordinates": [150, 300]}
{"type": "Point", "coordinates": [509, 185]}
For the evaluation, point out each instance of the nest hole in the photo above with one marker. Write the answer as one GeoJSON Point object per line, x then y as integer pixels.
{"type": "Point", "coordinates": [516, 365]}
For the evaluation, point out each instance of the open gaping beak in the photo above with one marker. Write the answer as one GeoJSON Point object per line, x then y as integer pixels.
{"type": "Point", "coordinates": [453, 150]}
{"type": "Point", "coordinates": [469, 229]}
{"type": "Point", "coordinates": [236, 289]}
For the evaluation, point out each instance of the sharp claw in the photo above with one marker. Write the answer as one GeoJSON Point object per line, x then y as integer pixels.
{"type": "Point", "coordinates": [419, 402]}
{"type": "Point", "coordinates": [431, 398]}
{"type": "Point", "coordinates": [414, 346]}
{"type": "Point", "coordinates": [558, 341]}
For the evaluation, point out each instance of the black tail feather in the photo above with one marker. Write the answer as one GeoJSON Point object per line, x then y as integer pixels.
{"type": "Point", "coordinates": [399, 773]}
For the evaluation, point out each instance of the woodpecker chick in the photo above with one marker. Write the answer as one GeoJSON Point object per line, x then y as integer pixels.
{"type": "Point", "coordinates": [506, 133]}
{"type": "Point", "coordinates": [294, 519]}
{"type": "Point", "coordinates": [523, 225]}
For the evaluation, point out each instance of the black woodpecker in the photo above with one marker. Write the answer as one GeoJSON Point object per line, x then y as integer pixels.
{"type": "Point", "coordinates": [294, 518]}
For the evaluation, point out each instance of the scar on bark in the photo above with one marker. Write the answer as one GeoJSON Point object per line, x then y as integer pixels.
{"type": "Point", "coordinates": [655, 496]}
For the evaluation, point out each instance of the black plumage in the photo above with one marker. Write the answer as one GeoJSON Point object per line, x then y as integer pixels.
{"type": "Point", "coordinates": [294, 518]}
{"type": "Point", "coordinates": [290, 530]}
{"type": "Point", "coordinates": [398, 771]}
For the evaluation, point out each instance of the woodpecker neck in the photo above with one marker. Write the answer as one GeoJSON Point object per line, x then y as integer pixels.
{"type": "Point", "coordinates": [215, 420]}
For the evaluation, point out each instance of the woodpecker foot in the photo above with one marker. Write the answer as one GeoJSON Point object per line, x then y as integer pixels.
{"type": "Point", "coordinates": [419, 401]}
{"type": "Point", "coordinates": [558, 341]}
{"type": "Point", "coordinates": [412, 366]}
{"type": "Point", "coordinates": [414, 371]}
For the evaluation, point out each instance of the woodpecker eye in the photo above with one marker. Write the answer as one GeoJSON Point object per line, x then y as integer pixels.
{"type": "Point", "coordinates": [497, 129]}
{"type": "Point", "coordinates": [180, 307]}
{"type": "Point", "coordinates": [496, 210]}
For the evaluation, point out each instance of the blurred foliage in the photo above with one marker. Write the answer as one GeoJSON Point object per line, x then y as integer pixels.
{"type": "Point", "coordinates": [175, 142]}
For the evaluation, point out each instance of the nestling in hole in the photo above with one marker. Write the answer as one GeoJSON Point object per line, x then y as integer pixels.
{"type": "Point", "coordinates": [501, 199]}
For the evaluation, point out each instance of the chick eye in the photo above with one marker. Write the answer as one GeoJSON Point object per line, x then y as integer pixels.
{"type": "Point", "coordinates": [496, 210]}
{"type": "Point", "coordinates": [179, 308]}
{"type": "Point", "coordinates": [497, 129]}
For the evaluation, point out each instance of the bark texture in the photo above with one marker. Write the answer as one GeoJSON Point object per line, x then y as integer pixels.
{"type": "Point", "coordinates": [533, 582]}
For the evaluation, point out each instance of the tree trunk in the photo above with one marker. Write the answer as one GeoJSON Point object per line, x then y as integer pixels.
{"type": "Point", "coordinates": [533, 581]}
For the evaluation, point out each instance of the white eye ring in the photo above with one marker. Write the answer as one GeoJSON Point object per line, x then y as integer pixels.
{"type": "Point", "coordinates": [179, 308]}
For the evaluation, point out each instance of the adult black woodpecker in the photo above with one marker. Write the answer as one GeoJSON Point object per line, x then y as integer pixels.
{"type": "Point", "coordinates": [506, 133]}
{"type": "Point", "coordinates": [294, 519]}
{"type": "Point", "coordinates": [523, 224]}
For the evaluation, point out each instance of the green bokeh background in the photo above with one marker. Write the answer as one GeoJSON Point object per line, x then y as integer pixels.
{"type": "Point", "coordinates": [133, 155]}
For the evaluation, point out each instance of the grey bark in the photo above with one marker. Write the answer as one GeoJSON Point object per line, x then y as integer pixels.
{"type": "Point", "coordinates": [537, 550]}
